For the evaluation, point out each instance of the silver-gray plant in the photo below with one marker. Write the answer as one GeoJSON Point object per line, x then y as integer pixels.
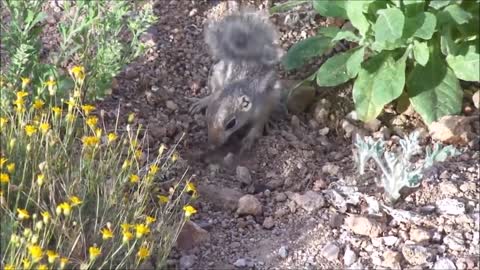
{"type": "Point", "coordinates": [398, 170]}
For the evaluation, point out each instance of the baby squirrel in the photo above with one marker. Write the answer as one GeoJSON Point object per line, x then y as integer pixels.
{"type": "Point", "coordinates": [243, 85]}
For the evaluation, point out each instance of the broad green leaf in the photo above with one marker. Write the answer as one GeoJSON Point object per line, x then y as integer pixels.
{"type": "Point", "coordinates": [426, 23]}
{"type": "Point", "coordinates": [380, 80]}
{"type": "Point", "coordinates": [414, 7]}
{"type": "Point", "coordinates": [355, 15]}
{"type": "Point", "coordinates": [330, 8]}
{"type": "Point", "coordinates": [304, 50]}
{"type": "Point", "coordinates": [421, 52]}
{"type": "Point", "coordinates": [448, 46]}
{"type": "Point", "coordinates": [434, 89]}
{"type": "Point", "coordinates": [334, 71]}
{"type": "Point", "coordinates": [287, 6]}
{"type": "Point", "coordinates": [465, 67]}
{"type": "Point", "coordinates": [354, 63]}
{"type": "Point", "coordinates": [329, 31]}
{"type": "Point", "coordinates": [453, 13]}
{"type": "Point", "coordinates": [438, 4]}
{"type": "Point", "coordinates": [389, 25]}
{"type": "Point", "coordinates": [347, 35]}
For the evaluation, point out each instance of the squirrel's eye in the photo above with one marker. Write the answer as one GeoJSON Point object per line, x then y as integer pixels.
{"type": "Point", "coordinates": [231, 124]}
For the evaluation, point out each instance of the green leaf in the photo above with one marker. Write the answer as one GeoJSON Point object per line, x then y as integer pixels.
{"type": "Point", "coordinates": [453, 13]}
{"type": "Point", "coordinates": [287, 6]}
{"type": "Point", "coordinates": [465, 67]}
{"type": "Point", "coordinates": [354, 63]}
{"type": "Point", "coordinates": [334, 71]}
{"type": "Point", "coordinates": [355, 15]}
{"type": "Point", "coordinates": [438, 4]}
{"type": "Point", "coordinates": [448, 46]}
{"type": "Point", "coordinates": [426, 23]}
{"type": "Point", "coordinates": [380, 80]}
{"type": "Point", "coordinates": [421, 52]}
{"type": "Point", "coordinates": [389, 25]}
{"type": "Point", "coordinates": [414, 7]}
{"type": "Point", "coordinates": [434, 90]}
{"type": "Point", "coordinates": [347, 35]}
{"type": "Point", "coordinates": [304, 50]}
{"type": "Point", "coordinates": [330, 8]}
{"type": "Point", "coordinates": [329, 31]}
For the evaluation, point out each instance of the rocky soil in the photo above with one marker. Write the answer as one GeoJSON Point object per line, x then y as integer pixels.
{"type": "Point", "coordinates": [288, 204]}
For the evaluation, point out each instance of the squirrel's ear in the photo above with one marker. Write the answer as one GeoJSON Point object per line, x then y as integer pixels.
{"type": "Point", "coordinates": [267, 82]}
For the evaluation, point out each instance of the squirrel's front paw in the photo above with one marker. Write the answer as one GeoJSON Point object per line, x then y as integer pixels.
{"type": "Point", "coordinates": [199, 105]}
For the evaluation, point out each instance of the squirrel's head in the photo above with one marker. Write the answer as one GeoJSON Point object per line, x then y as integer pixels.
{"type": "Point", "coordinates": [231, 114]}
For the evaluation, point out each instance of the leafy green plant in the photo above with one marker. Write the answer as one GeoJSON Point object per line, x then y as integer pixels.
{"type": "Point", "coordinates": [102, 35]}
{"type": "Point", "coordinates": [413, 49]}
{"type": "Point", "coordinates": [398, 171]}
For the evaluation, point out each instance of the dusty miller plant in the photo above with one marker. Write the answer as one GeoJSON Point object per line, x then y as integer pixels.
{"type": "Point", "coordinates": [397, 169]}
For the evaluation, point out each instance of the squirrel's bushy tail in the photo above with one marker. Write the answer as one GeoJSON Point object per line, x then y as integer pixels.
{"type": "Point", "coordinates": [244, 36]}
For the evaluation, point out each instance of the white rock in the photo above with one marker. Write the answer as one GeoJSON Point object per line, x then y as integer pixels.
{"type": "Point", "coordinates": [450, 207]}
{"type": "Point", "coordinates": [444, 263]}
{"type": "Point", "coordinates": [330, 251]}
{"type": "Point", "coordinates": [187, 261]}
{"type": "Point", "coordinates": [283, 252]}
{"type": "Point", "coordinates": [349, 257]}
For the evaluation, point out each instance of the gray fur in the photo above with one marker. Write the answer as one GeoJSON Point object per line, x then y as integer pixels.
{"type": "Point", "coordinates": [243, 82]}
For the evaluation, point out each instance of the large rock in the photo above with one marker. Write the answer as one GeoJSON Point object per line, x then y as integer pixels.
{"type": "Point", "coordinates": [191, 236]}
{"type": "Point", "coordinates": [310, 201]}
{"type": "Point", "coordinates": [416, 254]}
{"type": "Point", "coordinates": [225, 198]}
{"type": "Point", "coordinates": [249, 205]}
{"type": "Point", "coordinates": [452, 129]}
{"type": "Point", "coordinates": [363, 226]}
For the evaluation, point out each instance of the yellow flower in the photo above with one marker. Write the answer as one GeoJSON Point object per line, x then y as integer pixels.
{"type": "Point", "coordinates": [131, 117]}
{"type": "Point", "coordinates": [75, 201]}
{"type": "Point", "coordinates": [3, 122]}
{"type": "Point", "coordinates": [25, 81]}
{"type": "Point", "coordinates": [9, 267]}
{"type": "Point", "coordinates": [63, 262]}
{"type": "Point", "coordinates": [134, 178]}
{"type": "Point", "coordinates": [36, 252]}
{"type": "Point", "coordinates": [138, 153]}
{"type": "Point", "coordinates": [98, 132]}
{"type": "Point", "coordinates": [52, 256]}
{"type": "Point", "coordinates": [38, 104]}
{"type": "Point", "coordinates": [191, 187]}
{"type": "Point", "coordinates": [153, 169]}
{"type": "Point", "coordinates": [90, 140]}
{"type": "Point", "coordinates": [46, 217]}
{"type": "Point", "coordinates": [143, 253]}
{"type": "Point", "coordinates": [40, 179]}
{"type": "Point", "coordinates": [42, 267]}
{"type": "Point", "coordinates": [94, 252]}
{"type": "Point", "coordinates": [149, 220]}
{"type": "Point", "coordinates": [50, 83]}
{"type": "Point", "coordinates": [26, 263]}
{"type": "Point", "coordinates": [127, 236]}
{"type": "Point", "coordinates": [23, 214]}
{"type": "Point", "coordinates": [106, 233]}
{"type": "Point", "coordinates": [21, 94]}
{"type": "Point", "coordinates": [30, 130]}
{"type": "Point", "coordinates": [174, 156]}
{"type": "Point", "coordinates": [4, 178]}
{"type": "Point", "coordinates": [11, 167]}
{"type": "Point", "coordinates": [70, 117]}
{"type": "Point", "coordinates": [161, 149]}
{"type": "Point", "coordinates": [189, 210]}
{"type": "Point", "coordinates": [3, 160]}
{"type": "Point", "coordinates": [125, 227]}
{"type": "Point", "coordinates": [112, 137]}
{"type": "Point", "coordinates": [44, 127]}
{"type": "Point", "coordinates": [78, 72]}
{"type": "Point", "coordinates": [92, 121]}
{"type": "Point", "coordinates": [87, 109]}
{"type": "Point", "coordinates": [163, 198]}
{"type": "Point", "coordinates": [64, 208]}
{"type": "Point", "coordinates": [141, 230]}
{"type": "Point", "coordinates": [57, 111]}
{"type": "Point", "coordinates": [126, 164]}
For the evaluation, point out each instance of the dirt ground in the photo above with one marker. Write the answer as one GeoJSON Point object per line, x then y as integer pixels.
{"type": "Point", "coordinates": [301, 154]}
